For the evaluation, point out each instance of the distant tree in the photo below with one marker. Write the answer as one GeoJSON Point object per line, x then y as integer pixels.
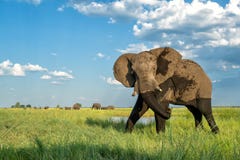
{"type": "Point", "coordinates": [17, 105]}
{"type": "Point", "coordinates": [77, 106]}
{"type": "Point", "coordinates": [58, 106]}
{"type": "Point", "coordinates": [28, 106]}
{"type": "Point", "coordinates": [46, 107]}
{"type": "Point", "coordinates": [22, 106]}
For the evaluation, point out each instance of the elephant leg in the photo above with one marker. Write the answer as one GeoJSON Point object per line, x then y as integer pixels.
{"type": "Point", "coordinates": [197, 116]}
{"type": "Point", "coordinates": [138, 110]}
{"type": "Point", "coordinates": [204, 105]}
{"type": "Point", "coordinates": [152, 101]}
{"type": "Point", "coordinates": [160, 123]}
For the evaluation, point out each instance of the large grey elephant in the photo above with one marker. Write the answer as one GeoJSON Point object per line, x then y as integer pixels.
{"type": "Point", "coordinates": [162, 77]}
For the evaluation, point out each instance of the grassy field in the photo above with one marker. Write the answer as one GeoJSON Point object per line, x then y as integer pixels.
{"type": "Point", "coordinates": [89, 134]}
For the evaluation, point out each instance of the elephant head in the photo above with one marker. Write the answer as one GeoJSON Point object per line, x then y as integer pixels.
{"type": "Point", "coordinates": [149, 69]}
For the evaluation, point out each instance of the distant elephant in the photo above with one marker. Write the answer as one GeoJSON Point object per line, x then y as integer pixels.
{"type": "Point", "coordinates": [163, 77]}
{"type": "Point", "coordinates": [108, 108]}
{"type": "Point", "coordinates": [77, 106]}
{"type": "Point", "coordinates": [96, 106]}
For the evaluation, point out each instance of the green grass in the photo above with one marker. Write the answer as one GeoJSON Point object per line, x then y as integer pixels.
{"type": "Point", "coordinates": [88, 134]}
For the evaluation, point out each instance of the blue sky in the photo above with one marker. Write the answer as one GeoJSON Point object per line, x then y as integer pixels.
{"type": "Point", "coordinates": [62, 51]}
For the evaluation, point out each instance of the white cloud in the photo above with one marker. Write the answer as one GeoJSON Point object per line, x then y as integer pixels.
{"type": "Point", "coordinates": [112, 20]}
{"type": "Point", "coordinates": [17, 70]}
{"type": "Point", "coordinates": [203, 23]}
{"type": "Point", "coordinates": [8, 68]}
{"type": "Point", "coordinates": [53, 54]}
{"type": "Point", "coordinates": [216, 81]}
{"type": "Point", "coordinates": [134, 48]}
{"type": "Point", "coordinates": [61, 75]}
{"type": "Point", "coordinates": [56, 83]}
{"type": "Point", "coordinates": [235, 66]}
{"type": "Point", "coordinates": [100, 55]}
{"type": "Point", "coordinates": [5, 64]}
{"type": "Point", "coordinates": [1, 72]}
{"type": "Point", "coordinates": [61, 8]}
{"type": "Point", "coordinates": [31, 67]}
{"type": "Point", "coordinates": [226, 66]}
{"type": "Point", "coordinates": [122, 8]}
{"type": "Point", "coordinates": [110, 80]}
{"type": "Point", "coordinates": [187, 54]}
{"type": "Point", "coordinates": [233, 7]}
{"type": "Point", "coordinates": [45, 77]}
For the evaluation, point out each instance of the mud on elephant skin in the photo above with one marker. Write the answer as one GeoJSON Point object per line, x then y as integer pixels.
{"type": "Point", "coordinates": [160, 77]}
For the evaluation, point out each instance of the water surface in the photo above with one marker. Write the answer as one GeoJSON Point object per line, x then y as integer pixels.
{"type": "Point", "coordinates": [142, 120]}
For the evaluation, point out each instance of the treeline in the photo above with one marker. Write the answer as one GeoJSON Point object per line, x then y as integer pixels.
{"type": "Point", "coordinates": [76, 106]}
{"type": "Point", "coordinates": [18, 105]}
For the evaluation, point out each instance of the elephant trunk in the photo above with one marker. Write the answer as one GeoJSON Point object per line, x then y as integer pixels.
{"type": "Point", "coordinates": [151, 100]}
{"type": "Point", "coordinates": [147, 84]}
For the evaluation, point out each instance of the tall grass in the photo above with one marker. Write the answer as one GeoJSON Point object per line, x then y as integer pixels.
{"type": "Point", "coordinates": [89, 134]}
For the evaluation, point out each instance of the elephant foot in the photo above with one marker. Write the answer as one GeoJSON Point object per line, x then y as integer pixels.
{"type": "Point", "coordinates": [215, 129]}
{"type": "Point", "coordinates": [212, 123]}
{"type": "Point", "coordinates": [129, 126]}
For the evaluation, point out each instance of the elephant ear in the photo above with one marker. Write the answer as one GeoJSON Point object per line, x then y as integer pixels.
{"type": "Point", "coordinates": [166, 62]}
{"type": "Point", "coordinates": [123, 70]}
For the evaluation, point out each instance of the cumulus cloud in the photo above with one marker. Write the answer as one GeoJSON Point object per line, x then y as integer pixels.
{"type": "Point", "coordinates": [110, 80]}
{"type": "Point", "coordinates": [17, 70]}
{"type": "Point", "coordinates": [139, 47]}
{"type": "Point", "coordinates": [45, 77]}
{"type": "Point", "coordinates": [134, 48]}
{"type": "Point", "coordinates": [202, 23]}
{"type": "Point", "coordinates": [11, 69]}
{"type": "Point", "coordinates": [61, 74]}
{"type": "Point", "coordinates": [57, 77]}
{"type": "Point", "coordinates": [31, 67]}
{"type": "Point", "coordinates": [8, 68]}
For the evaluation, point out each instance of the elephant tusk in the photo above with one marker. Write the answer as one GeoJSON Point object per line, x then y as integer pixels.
{"type": "Point", "coordinates": [159, 89]}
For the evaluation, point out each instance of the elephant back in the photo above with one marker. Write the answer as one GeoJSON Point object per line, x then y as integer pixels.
{"type": "Point", "coordinates": [198, 83]}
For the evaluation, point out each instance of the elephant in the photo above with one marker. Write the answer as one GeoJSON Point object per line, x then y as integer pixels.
{"type": "Point", "coordinates": [162, 77]}
{"type": "Point", "coordinates": [96, 106]}
{"type": "Point", "coordinates": [110, 107]}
